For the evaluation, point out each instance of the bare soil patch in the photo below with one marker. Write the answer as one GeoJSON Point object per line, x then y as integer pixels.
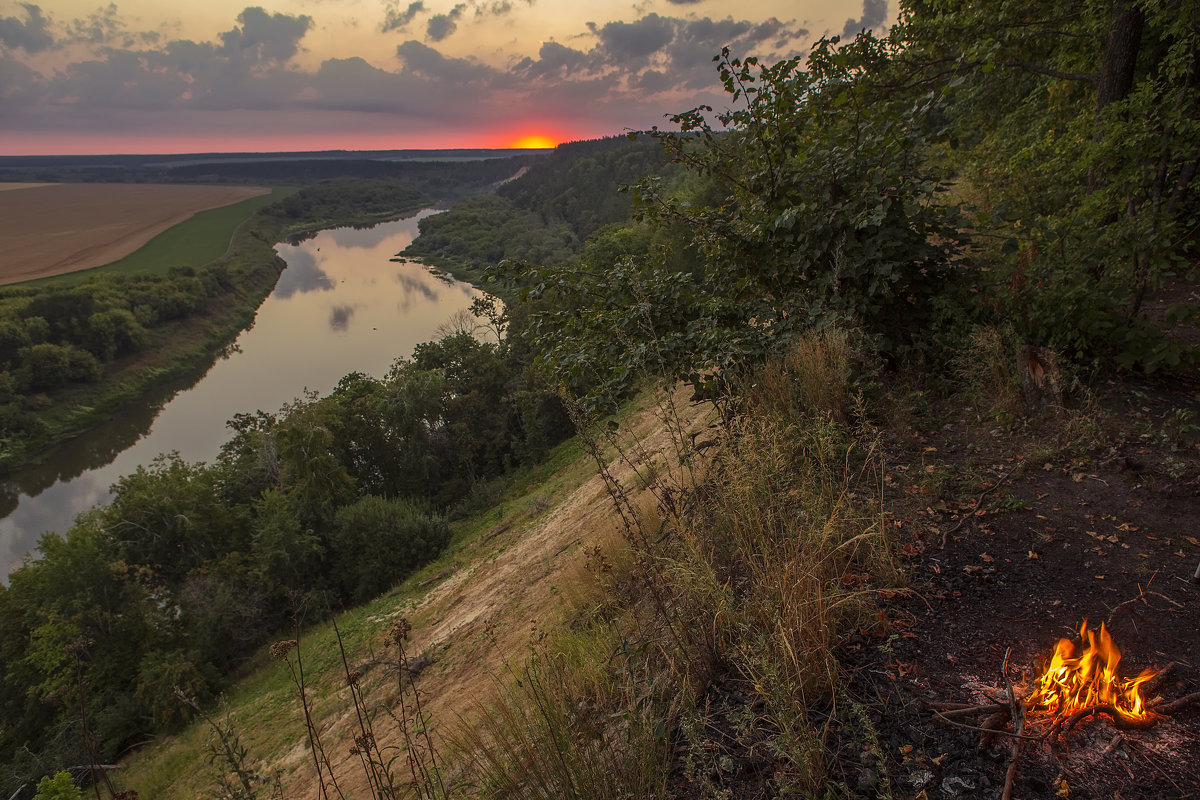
{"type": "Point", "coordinates": [54, 229]}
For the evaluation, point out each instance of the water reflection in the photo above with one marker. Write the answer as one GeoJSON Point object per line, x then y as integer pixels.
{"type": "Point", "coordinates": [337, 277]}
{"type": "Point", "coordinates": [339, 317]}
{"type": "Point", "coordinates": [302, 275]}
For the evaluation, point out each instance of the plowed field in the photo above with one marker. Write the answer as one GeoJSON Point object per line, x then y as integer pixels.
{"type": "Point", "coordinates": [57, 228]}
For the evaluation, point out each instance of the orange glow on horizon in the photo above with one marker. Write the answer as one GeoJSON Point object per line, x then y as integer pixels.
{"type": "Point", "coordinates": [58, 144]}
{"type": "Point", "coordinates": [533, 142]}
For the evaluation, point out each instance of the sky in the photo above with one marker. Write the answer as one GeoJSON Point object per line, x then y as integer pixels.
{"type": "Point", "coordinates": [151, 76]}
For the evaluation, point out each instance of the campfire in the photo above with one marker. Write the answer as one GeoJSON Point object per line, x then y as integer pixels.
{"type": "Point", "coordinates": [1078, 681]}
{"type": "Point", "coordinates": [1074, 683]}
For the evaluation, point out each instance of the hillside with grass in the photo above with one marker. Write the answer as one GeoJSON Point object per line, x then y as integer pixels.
{"type": "Point", "coordinates": [783, 485]}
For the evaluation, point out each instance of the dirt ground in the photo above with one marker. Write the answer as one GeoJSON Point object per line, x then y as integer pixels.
{"type": "Point", "coordinates": [52, 229]}
{"type": "Point", "coordinates": [1056, 533]}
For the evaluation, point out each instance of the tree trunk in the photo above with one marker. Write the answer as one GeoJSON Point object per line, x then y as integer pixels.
{"type": "Point", "coordinates": [1120, 53]}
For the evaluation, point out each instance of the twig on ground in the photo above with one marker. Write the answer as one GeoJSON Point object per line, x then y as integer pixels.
{"type": "Point", "coordinates": [978, 500]}
{"type": "Point", "coordinates": [1018, 717]}
{"type": "Point", "coordinates": [1151, 686]}
{"type": "Point", "coordinates": [982, 729]}
{"type": "Point", "coordinates": [1176, 705]}
{"type": "Point", "coordinates": [992, 726]}
{"type": "Point", "coordinates": [437, 577]}
{"type": "Point", "coordinates": [1141, 598]}
{"type": "Point", "coordinates": [970, 711]}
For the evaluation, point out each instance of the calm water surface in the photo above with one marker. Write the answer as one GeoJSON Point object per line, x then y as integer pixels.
{"type": "Point", "coordinates": [340, 306]}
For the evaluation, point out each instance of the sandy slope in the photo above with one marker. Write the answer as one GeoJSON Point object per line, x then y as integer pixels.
{"type": "Point", "coordinates": [478, 620]}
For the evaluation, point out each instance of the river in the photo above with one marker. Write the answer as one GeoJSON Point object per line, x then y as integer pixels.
{"type": "Point", "coordinates": [339, 306]}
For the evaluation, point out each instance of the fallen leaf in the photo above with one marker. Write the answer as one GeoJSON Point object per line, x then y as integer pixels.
{"type": "Point", "coordinates": [1143, 555]}
{"type": "Point", "coordinates": [972, 569]}
{"type": "Point", "coordinates": [1099, 577]}
{"type": "Point", "coordinates": [985, 558]}
{"type": "Point", "coordinates": [1193, 540]}
{"type": "Point", "coordinates": [1064, 790]}
{"type": "Point", "coordinates": [906, 749]}
{"type": "Point", "coordinates": [940, 759]}
{"type": "Point", "coordinates": [1033, 554]}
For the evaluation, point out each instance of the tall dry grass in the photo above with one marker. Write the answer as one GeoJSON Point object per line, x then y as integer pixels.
{"type": "Point", "coordinates": [754, 567]}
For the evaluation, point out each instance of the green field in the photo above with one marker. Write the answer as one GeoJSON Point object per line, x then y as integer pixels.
{"type": "Point", "coordinates": [199, 240]}
{"type": "Point", "coordinates": [196, 241]}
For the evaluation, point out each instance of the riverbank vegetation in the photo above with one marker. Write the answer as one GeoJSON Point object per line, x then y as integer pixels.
{"type": "Point", "coordinates": [996, 211]}
{"type": "Point", "coordinates": [76, 347]}
{"type": "Point", "coordinates": [546, 216]}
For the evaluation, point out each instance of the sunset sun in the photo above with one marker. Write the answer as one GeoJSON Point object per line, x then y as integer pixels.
{"type": "Point", "coordinates": [533, 141]}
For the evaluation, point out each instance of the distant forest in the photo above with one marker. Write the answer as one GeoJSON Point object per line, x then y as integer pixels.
{"type": "Point", "coordinates": [443, 174]}
{"type": "Point", "coordinates": [547, 215]}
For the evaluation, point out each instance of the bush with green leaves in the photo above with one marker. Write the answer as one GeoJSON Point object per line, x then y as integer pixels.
{"type": "Point", "coordinates": [60, 787]}
{"type": "Point", "coordinates": [377, 541]}
{"type": "Point", "coordinates": [809, 204]}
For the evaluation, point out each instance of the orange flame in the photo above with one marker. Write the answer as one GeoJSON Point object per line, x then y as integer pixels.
{"type": "Point", "coordinates": [1072, 682]}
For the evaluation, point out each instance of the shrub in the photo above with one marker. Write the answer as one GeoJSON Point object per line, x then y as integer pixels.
{"type": "Point", "coordinates": [377, 541]}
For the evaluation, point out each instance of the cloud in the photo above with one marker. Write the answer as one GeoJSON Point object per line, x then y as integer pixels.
{"type": "Point", "coordinates": [425, 60]}
{"type": "Point", "coordinates": [874, 14]}
{"type": "Point", "coordinates": [265, 37]}
{"type": "Point", "coordinates": [442, 25]}
{"type": "Point", "coordinates": [397, 20]}
{"type": "Point", "coordinates": [553, 59]}
{"type": "Point", "coordinates": [31, 35]}
{"type": "Point", "coordinates": [247, 80]}
{"type": "Point", "coordinates": [636, 40]}
{"type": "Point", "coordinates": [497, 8]}
{"type": "Point", "coordinates": [103, 27]}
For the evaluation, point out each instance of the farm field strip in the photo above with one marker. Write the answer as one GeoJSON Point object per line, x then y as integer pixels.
{"type": "Point", "coordinates": [59, 228]}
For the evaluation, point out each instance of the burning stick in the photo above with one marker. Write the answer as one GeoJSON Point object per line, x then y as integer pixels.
{"type": "Point", "coordinates": [1120, 720]}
